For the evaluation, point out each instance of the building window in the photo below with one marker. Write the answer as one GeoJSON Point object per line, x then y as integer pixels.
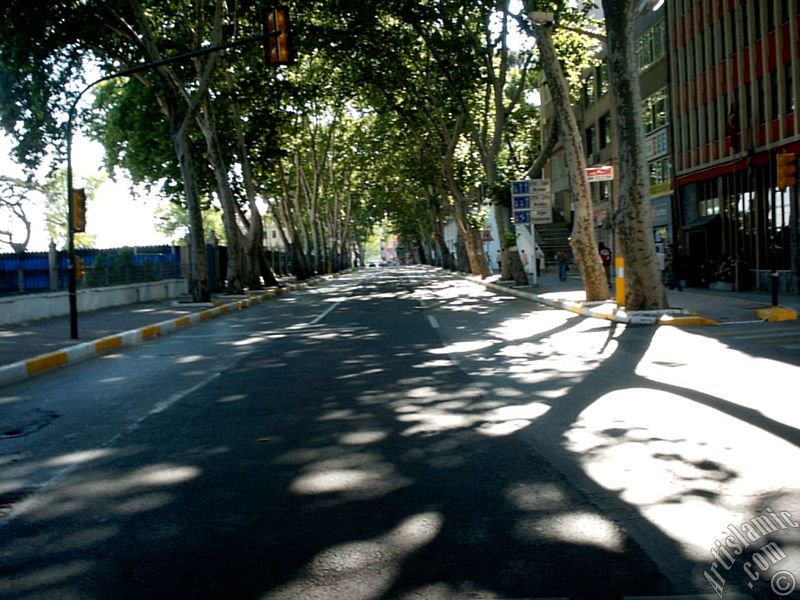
{"type": "Point", "coordinates": [745, 24]}
{"type": "Point", "coordinates": [757, 19]}
{"type": "Point", "coordinates": [590, 140]}
{"type": "Point", "coordinates": [650, 45]}
{"type": "Point", "coordinates": [734, 40]}
{"type": "Point", "coordinates": [774, 95]}
{"type": "Point", "coordinates": [605, 131]}
{"type": "Point", "coordinates": [703, 49]}
{"type": "Point", "coordinates": [654, 110]}
{"type": "Point", "coordinates": [723, 37]}
{"type": "Point", "coordinates": [660, 171]}
{"type": "Point", "coordinates": [713, 116]}
{"type": "Point", "coordinates": [605, 191]}
{"type": "Point", "coordinates": [588, 91]}
{"type": "Point", "coordinates": [762, 104]}
{"type": "Point", "coordinates": [707, 208]}
{"type": "Point", "coordinates": [602, 79]}
{"type": "Point", "coordinates": [713, 41]}
{"type": "Point", "coordinates": [748, 99]}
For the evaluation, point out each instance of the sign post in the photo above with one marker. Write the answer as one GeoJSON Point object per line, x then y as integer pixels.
{"type": "Point", "coordinates": [531, 203]}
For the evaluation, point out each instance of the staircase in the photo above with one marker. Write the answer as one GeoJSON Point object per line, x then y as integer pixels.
{"type": "Point", "coordinates": [553, 237]}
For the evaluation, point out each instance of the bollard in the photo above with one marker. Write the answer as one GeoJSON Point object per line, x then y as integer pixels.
{"type": "Point", "coordinates": [619, 280]}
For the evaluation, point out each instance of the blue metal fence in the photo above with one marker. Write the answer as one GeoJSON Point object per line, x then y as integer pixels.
{"type": "Point", "coordinates": [116, 266]}
{"type": "Point", "coordinates": [102, 267]}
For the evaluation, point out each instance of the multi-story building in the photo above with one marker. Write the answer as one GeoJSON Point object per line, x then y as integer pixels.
{"type": "Point", "coordinates": [719, 83]}
{"type": "Point", "coordinates": [734, 90]}
{"type": "Point", "coordinates": [596, 117]}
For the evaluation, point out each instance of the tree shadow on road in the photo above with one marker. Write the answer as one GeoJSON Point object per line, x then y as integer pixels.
{"type": "Point", "coordinates": [347, 460]}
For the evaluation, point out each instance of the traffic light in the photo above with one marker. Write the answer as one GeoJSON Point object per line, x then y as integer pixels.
{"type": "Point", "coordinates": [787, 170]}
{"type": "Point", "coordinates": [276, 28]}
{"type": "Point", "coordinates": [80, 267]}
{"type": "Point", "coordinates": [78, 210]}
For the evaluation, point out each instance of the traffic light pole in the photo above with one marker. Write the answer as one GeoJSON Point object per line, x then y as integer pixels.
{"type": "Point", "coordinates": [73, 295]}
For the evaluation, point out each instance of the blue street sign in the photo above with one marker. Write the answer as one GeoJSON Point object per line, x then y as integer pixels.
{"type": "Point", "coordinates": [519, 187]}
{"type": "Point", "coordinates": [522, 202]}
{"type": "Point", "coordinates": [522, 217]}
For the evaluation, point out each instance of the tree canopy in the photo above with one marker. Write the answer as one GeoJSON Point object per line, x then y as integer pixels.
{"type": "Point", "coordinates": [413, 111]}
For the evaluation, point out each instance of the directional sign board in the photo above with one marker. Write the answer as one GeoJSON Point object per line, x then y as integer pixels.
{"type": "Point", "coordinates": [542, 210]}
{"type": "Point", "coordinates": [522, 217]}
{"type": "Point", "coordinates": [602, 173]}
{"type": "Point", "coordinates": [521, 202]}
{"type": "Point", "coordinates": [531, 201]}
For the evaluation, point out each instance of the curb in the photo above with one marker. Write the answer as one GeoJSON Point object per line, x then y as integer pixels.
{"type": "Point", "coordinates": [24, 369]}
{"type": "Point", "coordinates": [777, 313]}
{"type": "Point", "coordinates": [608, 310]}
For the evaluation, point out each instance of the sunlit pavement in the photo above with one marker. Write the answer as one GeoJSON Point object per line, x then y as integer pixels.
{"type": "Point", "coordinates": [665, 428]}
{"type": "Point", "coordinates": [405, 433]}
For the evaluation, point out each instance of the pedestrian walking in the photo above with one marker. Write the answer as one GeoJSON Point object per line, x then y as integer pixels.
{"type": "Point", "coordinates": [561, 259]}
{"type": "Point", "coordinates": [605, 257]}
{"type": "Point", "coordinates": [661, 261]}
{"type": "Point", "coordinates": [673, 268]}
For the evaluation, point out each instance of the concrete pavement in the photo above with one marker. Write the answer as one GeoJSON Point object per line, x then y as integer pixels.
{"type": "Point", "coordinates": [29, 348]}
{"type": "Point", "coordinates": [692, 306]}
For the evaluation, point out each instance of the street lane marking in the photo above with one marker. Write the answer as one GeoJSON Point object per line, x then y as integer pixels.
{"type": "Point", "coordinates": [433, 321]}
{"type": "Point", "coordinates": [325, 314]}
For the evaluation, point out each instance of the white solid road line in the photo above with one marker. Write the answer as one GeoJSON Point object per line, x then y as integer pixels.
{"type": "Point", "coordinates": [325, 314]}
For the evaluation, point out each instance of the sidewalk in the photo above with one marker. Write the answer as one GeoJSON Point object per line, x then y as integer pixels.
{"type": "Point", "coordinates": [713, 306]}
{"type": "Point", "coordinates": [32, 347]}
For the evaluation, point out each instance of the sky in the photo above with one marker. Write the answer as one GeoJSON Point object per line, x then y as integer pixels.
{"type": "Point", "coordinates": [115, 217]}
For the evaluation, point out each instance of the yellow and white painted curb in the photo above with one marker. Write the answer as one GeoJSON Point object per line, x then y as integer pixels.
{"type": "Point", "coordinates": [777, 313]}
{"type": "Point", "coordinates": [43, 363]}
{"type": "Point", "coordinates": [607, 310]}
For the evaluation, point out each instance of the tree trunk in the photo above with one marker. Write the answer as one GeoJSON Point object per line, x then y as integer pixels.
{"type": "Point", "coordinates": [233, 235]}
{"type": "Point", "coordinates": [644, 289]}
{"type": "Point", "coordinates": [256, 262]}
{"type": "Point", "coordinates": [198, 280]}
{"type": "Point", "coordinates": [476, 256]}
{"type": "Point", "coordinates": [584, 237]}
{"type": "Point", "coordinates": [516, 267]}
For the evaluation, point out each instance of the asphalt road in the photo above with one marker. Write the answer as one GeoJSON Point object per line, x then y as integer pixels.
{"type": "Point", "coordinates": [391, 434]}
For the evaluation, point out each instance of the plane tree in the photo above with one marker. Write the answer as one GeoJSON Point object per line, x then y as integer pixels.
{"type": "Point", "coordinates": [584, 238]}
{"type": "Point", "coordinates": [116, 35]}
{"type": "Point", "coordinates": [644, 288]}
{"type": "Point", "coordinates": [417, 85]}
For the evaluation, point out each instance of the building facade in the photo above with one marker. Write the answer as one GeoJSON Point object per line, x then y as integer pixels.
{"type": "Point", "coordinates": [719, 84]}
{"type": "Point", "coordinates": [596, 118]}
{"type": "Point", "coordinates": [734, 90]}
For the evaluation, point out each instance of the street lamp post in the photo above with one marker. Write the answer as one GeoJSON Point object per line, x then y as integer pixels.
{"type": "Point", "coordinates": [276, 28]}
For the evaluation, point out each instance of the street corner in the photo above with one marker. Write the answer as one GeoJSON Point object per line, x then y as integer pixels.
{"type": "Point", "coordinates": [777, 313]}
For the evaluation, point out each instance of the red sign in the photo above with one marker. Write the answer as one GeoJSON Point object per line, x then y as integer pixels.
{"type": "Point", "coordinates": [603, 173]}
